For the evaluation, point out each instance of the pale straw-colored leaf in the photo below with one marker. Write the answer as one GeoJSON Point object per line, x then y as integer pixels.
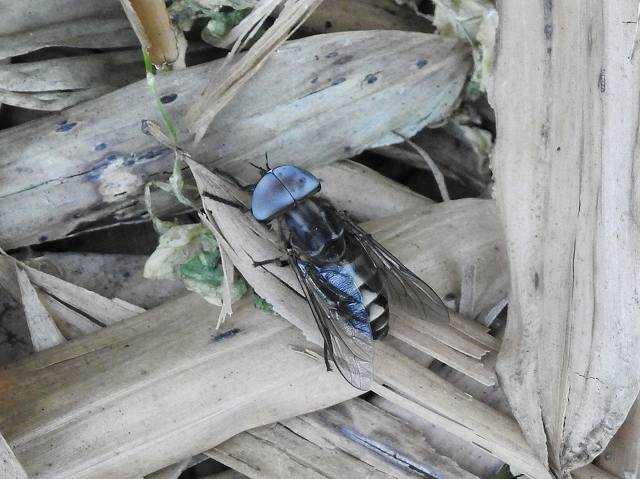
{"type": "Point", "coordinates": [228, 81]}
{"type": "Point", "coordinates": [10, 467]}
{"type": "Point", "coordinates": [43, 331]}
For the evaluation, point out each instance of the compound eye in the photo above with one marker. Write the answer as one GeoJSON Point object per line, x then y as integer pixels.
{"type": "Point", "coordinates": [270, 198]}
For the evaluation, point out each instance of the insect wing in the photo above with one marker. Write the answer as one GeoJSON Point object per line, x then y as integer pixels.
{"type": "Point", "coordinates": [349, 346]}
{"type": "Point", "coordinates": [416, 296]}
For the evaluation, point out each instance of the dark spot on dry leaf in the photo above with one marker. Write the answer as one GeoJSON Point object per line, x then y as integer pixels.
{"type": "Point", "coordinates": [343, 60]}
{"type": "Point", "coordinates": [130, 162]}
{"type": "Point", "coordinates": [168, 98]}
{"type": "Point", "coordinates": [152, 153]}
{"type": "Point", "coordinates": [536, 280]}
{"type": "Point", "coordinates": [331, 55]}
{"type": "Point", "coordinates": [371, 78]}
{"type": "Point", "coordinates": [328, 25]}
{"type": "Point", "coordinates": [421, 63]}
{"type": "Point", "coordinates": [43, 238]}
{"type": "Point", "coordinates": [65, 126]}
{"type": "Point", "coordinates": [226, 335]}
{"type": "Point", "coordinates": [100, 146]}
{"type": "Point", "coordinates": [602, 81]}
{"type": "Point", "coordinates": [95, 173]}
{"type": "Point", "coordinates": [314, 80]}
{"type": "Point", "coordinates": [337, 81]}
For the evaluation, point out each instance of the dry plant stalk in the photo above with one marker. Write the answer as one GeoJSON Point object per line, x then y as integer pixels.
{"type": "Point", "coordinates": [43, 331]}
{"type": "Point", "coordinates": [565, 167]}
{"type": "Point", "coordinates": [437, 174]}
{"type": "Point", "coordinates": [150, 21]}
{"type": "Point", "coordinates": [227, 82]}
{"type": "Point", "coordinates": [354, 439]}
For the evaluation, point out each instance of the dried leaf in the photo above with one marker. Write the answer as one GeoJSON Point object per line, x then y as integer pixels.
{"type": "Point", "coordinates": [10, 467]}
{"type": "Point", "coordinates": [84, 33]}
{"type": "Point", "coordinates": [222, 89]}
{"type": "Point", "coordinates": [43, 331]}
{"type": "Point", "coordinates": [307, 122]}
{"type": "Point", "coordinates": [568, 199]}
{"type": "Point", "coordinates": [53, 85]}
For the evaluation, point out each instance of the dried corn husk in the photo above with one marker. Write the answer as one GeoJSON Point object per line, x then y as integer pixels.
{"type": "Point", "coordinates": [63, 82]}
{"type": "Point", "coordinates": [96, 152]}
{"type": "Point", "coordinates": [564, 168]}
{"type": "Point", "coordinates": [227, 81]}
{"type": "Point", "coordinates": [32, 24]}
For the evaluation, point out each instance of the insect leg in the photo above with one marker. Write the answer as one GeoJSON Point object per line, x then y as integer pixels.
{"type": "Point", "coordinates": [225, 201]}
{"type": "Point", "coordinates": [282, 262]}
{"type": "Point", "coordinates": [326, 357]}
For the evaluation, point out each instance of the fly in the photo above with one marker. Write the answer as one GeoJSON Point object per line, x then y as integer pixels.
{"type": "Point", "coordinates": [347, 277]}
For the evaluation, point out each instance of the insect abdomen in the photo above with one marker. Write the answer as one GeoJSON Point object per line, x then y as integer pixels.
{"type": "Point", "coordinates": [369, 282]}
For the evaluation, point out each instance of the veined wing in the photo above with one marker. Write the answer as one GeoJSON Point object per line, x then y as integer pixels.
{"type": "Point", "coordinates": [417, 297]}
{"type": "Point", "coordinates": [347, 342]}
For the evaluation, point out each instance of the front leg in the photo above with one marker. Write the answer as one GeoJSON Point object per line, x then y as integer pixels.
{"type": "Point", "coordinates": [224, 201]}
{"type": "Point", "coordinates": [281, 262]}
